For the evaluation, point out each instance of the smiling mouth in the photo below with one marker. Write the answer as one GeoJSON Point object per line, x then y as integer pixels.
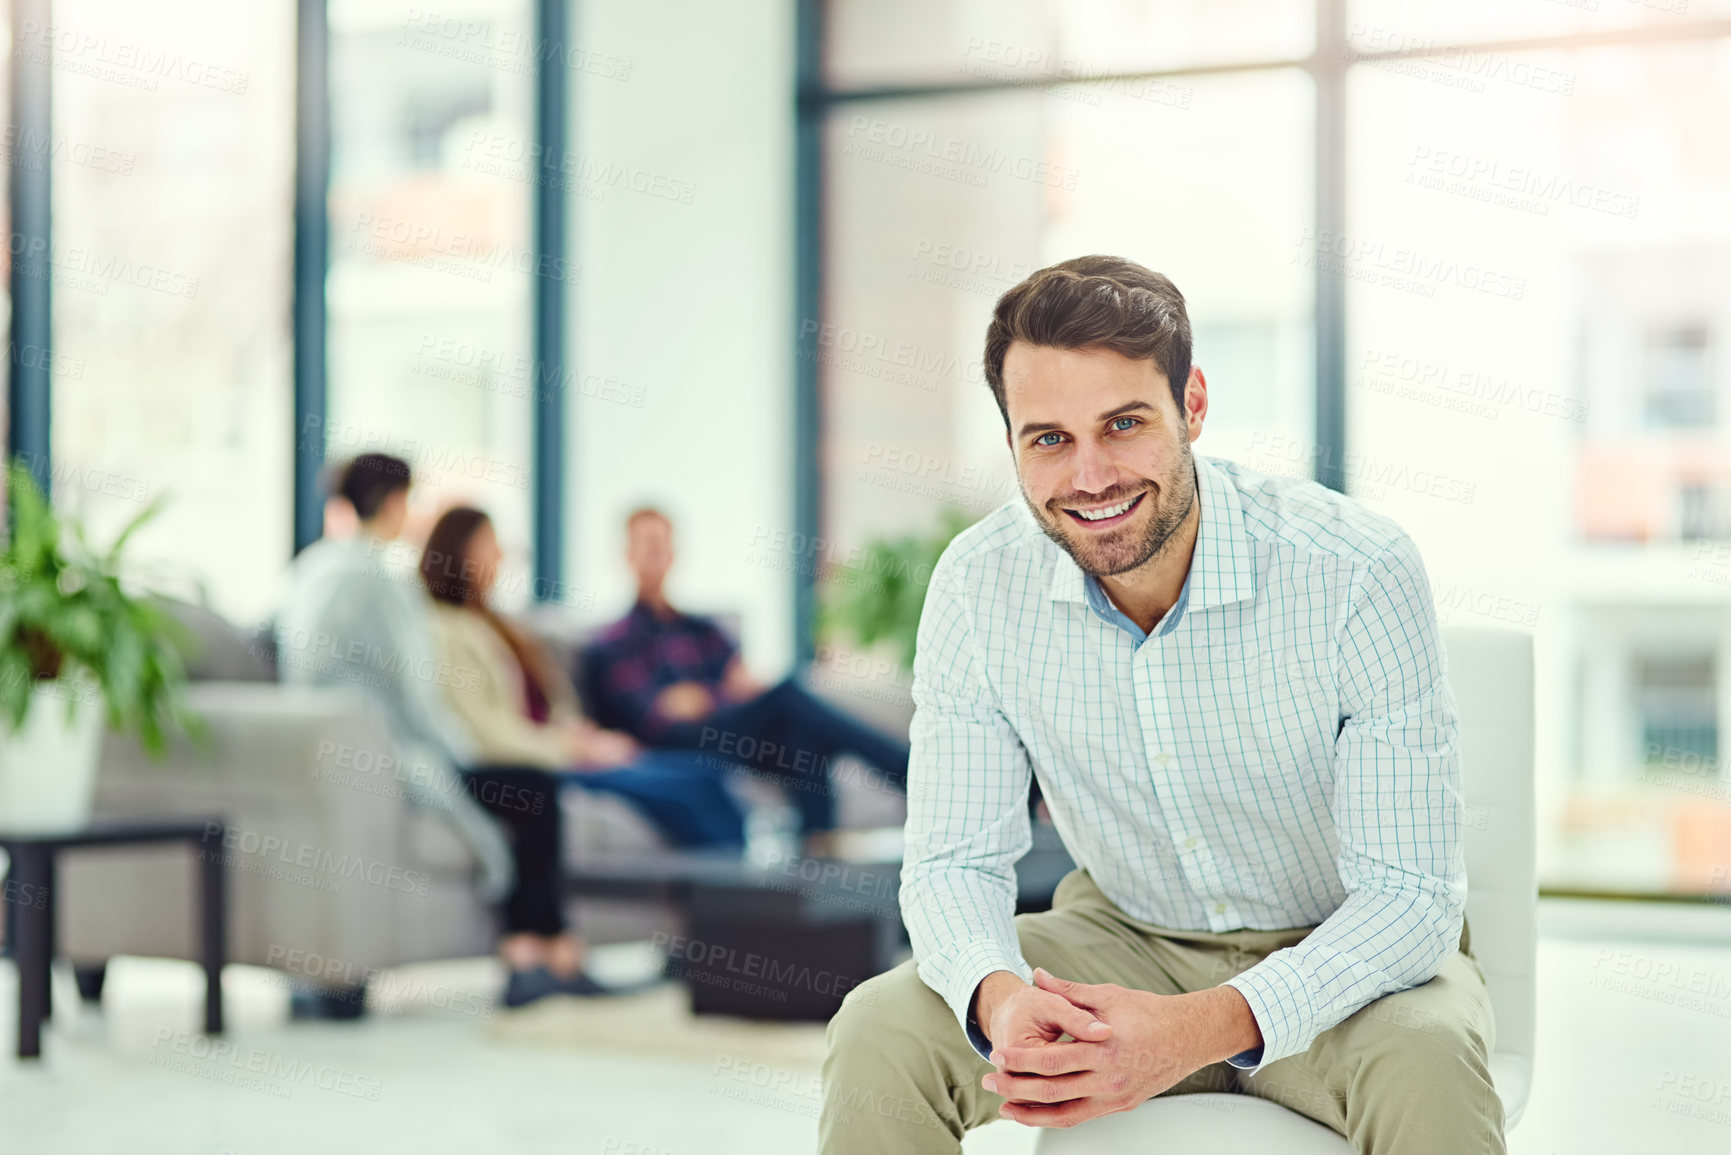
{"type": "Point", "coordinates": [1106, 515]}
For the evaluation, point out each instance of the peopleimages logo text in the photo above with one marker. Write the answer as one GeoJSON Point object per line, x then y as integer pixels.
{"type": "Point", "coordinates": [263, 846]}
{"type": "Point", "coordinates": [969, 156]}
{"type": "Point", "coordinates": [110, 59]}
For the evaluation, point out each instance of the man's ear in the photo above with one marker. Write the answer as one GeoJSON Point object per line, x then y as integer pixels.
{"type": "Point", "coordinates": [1195, 402]}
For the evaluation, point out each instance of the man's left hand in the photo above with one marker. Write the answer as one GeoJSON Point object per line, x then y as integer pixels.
{"type": "Point", "coordinates": [686, 701]}
{"type": "Point", "coordinates": [737, 684]}
{"type": "Point", "coordinates": [1156, 1041]}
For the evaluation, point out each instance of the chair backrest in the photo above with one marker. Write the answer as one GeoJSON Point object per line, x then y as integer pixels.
{"type": "Point", "coordinates": [1491, 672]}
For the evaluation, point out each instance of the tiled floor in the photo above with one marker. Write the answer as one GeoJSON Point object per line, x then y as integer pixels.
{"type": "Point", "coordinates": [1634, 1059]}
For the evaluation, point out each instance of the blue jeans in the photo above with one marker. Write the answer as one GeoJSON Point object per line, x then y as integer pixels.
{"type": "Point", "coordinates": [679, 791]}
{"type": "Point", "coordinates": [790, 734]}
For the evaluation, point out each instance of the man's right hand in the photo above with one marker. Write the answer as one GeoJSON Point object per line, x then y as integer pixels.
{"type": "Point", "coordinates": [1014, 1014]}
{"type": "Point", "coordinates": [684, 702]}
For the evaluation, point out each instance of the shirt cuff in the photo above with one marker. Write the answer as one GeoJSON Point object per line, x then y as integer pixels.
{"type": "Point", "coordinates": [979, 1041]}
{"type": "Point", "coordinates": [957, 976]}
{"type": "Point", "coordinates": [1248, 1060]}
{"type": "Point", "coordinates": [1278, 991]}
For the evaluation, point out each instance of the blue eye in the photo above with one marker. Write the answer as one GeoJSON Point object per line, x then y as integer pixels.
{"type": "Point", "coordinates": [1041, 440]}
{"type": "Point", "coordinates": [1121, 428]}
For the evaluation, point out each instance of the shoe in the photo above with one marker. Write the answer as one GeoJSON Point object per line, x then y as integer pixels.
{"type": "Point", "coordinates": [524, 987]}
{"type": "Point", "coordinates": [582, 986]}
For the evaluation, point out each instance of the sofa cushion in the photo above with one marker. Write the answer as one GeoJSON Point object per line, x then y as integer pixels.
{"type": "Point", "coordinates": [432, 845]}
{"type": "Point", "coordinates": [599, 827]}
{"type": "Point", "coordinates": [221, 651]}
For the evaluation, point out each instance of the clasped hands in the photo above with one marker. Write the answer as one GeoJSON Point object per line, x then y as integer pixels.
{"type": "Point", "coordinates": [1066, 1052]}
{"type": "Point", "coordinates": [591, 748]}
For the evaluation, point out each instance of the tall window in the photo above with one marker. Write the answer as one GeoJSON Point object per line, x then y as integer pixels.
{"type": "Point", "coordinates": [1543, 358]}
{"type": "Point", "coordinates": [173, 155]}
{"type": "Point", "coordinates": [940, 203]}
{"type": "Point", "coordinates": [1677, 376]}
{"type": "Point", "coordinates": [430, 262]}
{"type": "Point", "coordinates": [1534, 256]}
{"type": "Point", "coordinates": [16, 153]}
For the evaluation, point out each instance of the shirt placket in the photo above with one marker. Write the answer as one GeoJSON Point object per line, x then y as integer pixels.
{"type": "Point", "coordinates": [1173, 779]}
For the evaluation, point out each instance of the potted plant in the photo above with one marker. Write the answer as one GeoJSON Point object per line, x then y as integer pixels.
{"type": "Point", "coordinates": [78, 655]}
{"type": "Point", "coordinates": [878, 601]}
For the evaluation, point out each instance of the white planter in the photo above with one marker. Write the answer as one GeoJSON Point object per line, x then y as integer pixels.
{"type": "Point", "coordinates": [48, 767]}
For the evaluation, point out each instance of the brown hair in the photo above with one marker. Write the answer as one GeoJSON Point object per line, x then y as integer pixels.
{"type": "Point", "coordinates": [445, 568]}
{"type": "Point", "coordinates": [1093, 302]}
{"type": "Point", "coordinates": [450, 578]}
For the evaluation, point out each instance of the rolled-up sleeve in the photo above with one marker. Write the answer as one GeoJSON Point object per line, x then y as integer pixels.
{"type": "Point", "coordinates": [1399, 813]}
{"type": "Point", "coordinates": [968, 779]}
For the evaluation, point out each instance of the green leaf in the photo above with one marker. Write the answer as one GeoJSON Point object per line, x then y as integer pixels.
{"type": "Point", "coordinates": [15, 686]}
{"type": "Point", "coordinates": [112, 558]}
{"type": "Point", "coordinates": [880, 598]}
{"type": "Point", "coordinates": [63, 608]}
{"type": "Point", "coordinates": [81, 631]}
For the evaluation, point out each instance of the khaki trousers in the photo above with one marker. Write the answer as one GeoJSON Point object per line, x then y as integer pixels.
{"type": "Point", "coordinates": [1405, 1075]}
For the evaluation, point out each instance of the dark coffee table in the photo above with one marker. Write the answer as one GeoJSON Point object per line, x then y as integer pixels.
{"type": "Point", "coordinates": [787, 938]}
{"type": "Point", "coordinates": [31, 895]}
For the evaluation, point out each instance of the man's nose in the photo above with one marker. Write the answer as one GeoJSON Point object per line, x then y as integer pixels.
{"type": "Point", "coordinates": [1095, 470]}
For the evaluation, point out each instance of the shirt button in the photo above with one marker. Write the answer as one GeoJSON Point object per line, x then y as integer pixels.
{"type": "Point", "coordinates": [1220, 908]}
{"type": "Point", "coordinates": [1189, 844]}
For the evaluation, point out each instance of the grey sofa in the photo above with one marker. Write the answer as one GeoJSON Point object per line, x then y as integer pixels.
{"type": "Point", "coordinates": [331, 868]}
{"type": "Point", "coordinates": [323, 861]}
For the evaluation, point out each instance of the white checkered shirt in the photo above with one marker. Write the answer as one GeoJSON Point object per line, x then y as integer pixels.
{"type": "Point", "coordinates": [1280, 753]}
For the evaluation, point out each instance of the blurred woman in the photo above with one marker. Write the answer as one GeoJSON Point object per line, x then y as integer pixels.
{"type": "Point", "coordinates": [524, 716]}
{"type": "Point", "coordinates": [529, 738]}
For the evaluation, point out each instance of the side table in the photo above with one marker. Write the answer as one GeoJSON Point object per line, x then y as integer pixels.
{"type": "Point", "coordinates": [32, 895]}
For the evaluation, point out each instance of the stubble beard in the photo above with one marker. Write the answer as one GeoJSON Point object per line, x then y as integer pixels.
{"type": "Point", "coordinates": [1118, 552]}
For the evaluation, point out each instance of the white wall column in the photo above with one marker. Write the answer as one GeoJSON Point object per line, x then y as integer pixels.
{"type": "Point", "coordinates": [682, 337]}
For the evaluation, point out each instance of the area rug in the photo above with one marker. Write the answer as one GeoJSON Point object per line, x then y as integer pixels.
{"type": "Point", "coordinates": [657, 1022]}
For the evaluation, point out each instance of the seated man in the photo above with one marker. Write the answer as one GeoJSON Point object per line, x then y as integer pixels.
{"type": "Point", "coordinates": [1232, 690]}
{"type": "Point", "coordinates": [675, 681]}
{"type": "Point", "coordinates": [353, 617]}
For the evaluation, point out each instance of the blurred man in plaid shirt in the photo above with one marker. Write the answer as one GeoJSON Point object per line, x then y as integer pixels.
{"type": "Point", "coordinates": [675, 680]}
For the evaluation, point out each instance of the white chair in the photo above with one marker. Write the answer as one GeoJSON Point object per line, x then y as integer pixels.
{"type": "Point", "coordinates": [1492, 674]}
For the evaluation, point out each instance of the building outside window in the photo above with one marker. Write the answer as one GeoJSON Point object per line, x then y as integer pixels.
{"type": "Point", "coordinates": [1536, 267]}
